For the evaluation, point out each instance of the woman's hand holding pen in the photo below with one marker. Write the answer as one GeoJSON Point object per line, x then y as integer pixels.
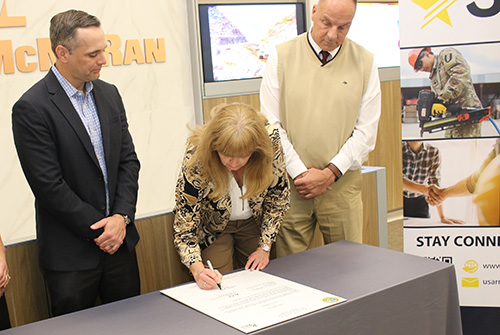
{"type": "Point", "coordinates": [204, 277]}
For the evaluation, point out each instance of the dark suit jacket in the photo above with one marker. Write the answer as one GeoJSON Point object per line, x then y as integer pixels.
{"type": "Point", "coordinates": [61, 167]}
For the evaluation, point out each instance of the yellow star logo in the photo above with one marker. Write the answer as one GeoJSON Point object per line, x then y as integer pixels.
{"type": "Point", "coordinates": [435, 9]}
{"type": "Point", "coordinates": [10, 21]}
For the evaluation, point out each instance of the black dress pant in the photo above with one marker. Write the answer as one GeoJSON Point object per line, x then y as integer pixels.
{"type": "Point", "coordinates": [416, 207]}
{"type": "Point", "coordinates": [115, 278]}
{"type": "Point", "coordinates": [4, 314]}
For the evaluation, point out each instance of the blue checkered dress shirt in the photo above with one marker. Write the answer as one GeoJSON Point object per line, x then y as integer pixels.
{"type": "Point", "coordinates": [87, 110]}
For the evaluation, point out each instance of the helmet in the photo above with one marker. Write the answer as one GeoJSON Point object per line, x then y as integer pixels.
{"type": "Point", "coordinates": [413, 56]}
{"type": "Point", "coordinates": [487, 194]}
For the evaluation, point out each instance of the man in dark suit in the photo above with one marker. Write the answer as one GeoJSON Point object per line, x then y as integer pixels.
{"type": "Point", "coordinates": [73, 142]}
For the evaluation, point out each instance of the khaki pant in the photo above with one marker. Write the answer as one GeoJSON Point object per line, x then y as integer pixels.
{"type": "Point", "coordinates": [231, 249]}
{"type": "Point", "coordinates": [338, 213]}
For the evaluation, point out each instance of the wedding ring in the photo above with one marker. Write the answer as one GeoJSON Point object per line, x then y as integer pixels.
{"type": "Point", "coordinates": [204, 284]}
{"type": "Point", "coordinates": [8, 277]}
{"type": "Point", "coordinates": [110, 245]}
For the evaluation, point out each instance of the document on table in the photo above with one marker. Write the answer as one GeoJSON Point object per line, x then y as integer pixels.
{"type": "Point", "coordinates": [252, 300]}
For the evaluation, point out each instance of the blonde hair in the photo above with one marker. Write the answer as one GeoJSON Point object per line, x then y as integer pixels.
{"type": "Point", "coordinates": [235, 130]}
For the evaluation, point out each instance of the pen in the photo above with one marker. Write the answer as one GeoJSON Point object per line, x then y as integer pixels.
{"type": "Point", "coordinates": [212, 268]}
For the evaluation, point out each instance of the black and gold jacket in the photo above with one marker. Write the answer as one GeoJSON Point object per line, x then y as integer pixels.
{"type": "Point", "coordinates": [199, 220]}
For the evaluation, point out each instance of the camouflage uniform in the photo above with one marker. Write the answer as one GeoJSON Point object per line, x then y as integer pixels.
{"type": "Point", "coordinates": [451, 82]}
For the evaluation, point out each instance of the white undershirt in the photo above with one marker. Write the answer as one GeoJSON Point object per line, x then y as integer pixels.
{"type": "Point", "coordinates": [240, 207]}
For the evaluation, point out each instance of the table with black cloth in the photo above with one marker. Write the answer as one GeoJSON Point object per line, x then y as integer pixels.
{"type": "Point", "coordinates": [387, 292]}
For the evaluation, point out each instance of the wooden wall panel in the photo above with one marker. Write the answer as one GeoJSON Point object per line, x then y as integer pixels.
{"type": "Point", "coordinates": [252, 100]}
{"type": "Point", "coordinates": [387, 152]}
{"type": "Point", "coordinates": [159, 263]}
{"type": "Point", "coordinates": [25, 293]}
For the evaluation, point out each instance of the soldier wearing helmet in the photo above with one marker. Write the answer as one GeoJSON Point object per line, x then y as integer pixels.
{"type": "Point", "coordinates": [451, 82]}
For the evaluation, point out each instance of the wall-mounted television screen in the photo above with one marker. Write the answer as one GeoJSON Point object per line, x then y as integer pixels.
{"type": "Point", "coordinates": [376, 27]}
{"type": "Point", "coordinates": [236, 38]}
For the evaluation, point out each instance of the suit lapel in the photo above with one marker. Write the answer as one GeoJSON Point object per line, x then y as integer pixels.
{"type": "Point", "coordinates": [64, 105]}
{"type": "Point", "coordinates": [102, 111]}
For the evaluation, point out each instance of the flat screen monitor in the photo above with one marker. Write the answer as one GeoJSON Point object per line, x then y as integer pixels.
{"type": "Point", "coordinates": [236, 39]}
{"type": "Point", "coordinates": [376, 27]}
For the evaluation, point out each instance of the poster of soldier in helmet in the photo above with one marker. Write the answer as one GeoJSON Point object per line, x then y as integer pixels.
{"type": "Point", "coordinates": [450, 91]}
{"type": "Point", "coordinates": [450, 69]}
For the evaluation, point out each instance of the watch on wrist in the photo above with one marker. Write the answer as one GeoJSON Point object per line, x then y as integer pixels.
{"type": "Point", "coordinates": [126, 218]}
{"type": "Point", "coordinates": [265, 247]}
{"type": "Point", "coordinates": [332, 168]}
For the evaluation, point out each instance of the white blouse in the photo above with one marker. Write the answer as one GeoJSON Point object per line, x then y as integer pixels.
{"type": "Point", "coordinates": [240, 207]}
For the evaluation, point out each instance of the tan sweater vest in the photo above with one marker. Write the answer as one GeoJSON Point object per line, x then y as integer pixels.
{"type": "Point", "coordinates": [319, 105]}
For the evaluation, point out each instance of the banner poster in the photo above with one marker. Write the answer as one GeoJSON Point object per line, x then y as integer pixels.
{"type": "Point", "coordinates": [475, 252]}
{"type": "Point", "coordinates": [452, 210]}
{"type": "Point", "coordinates": [450, 69]}
{"type": "Point", "coordinates": [450, 116]}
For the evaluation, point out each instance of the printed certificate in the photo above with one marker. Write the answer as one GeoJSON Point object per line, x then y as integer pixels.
{"type": "Point", "coordinates": [252, 300]}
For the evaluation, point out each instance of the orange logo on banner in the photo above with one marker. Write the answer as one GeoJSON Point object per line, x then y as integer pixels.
{"type": "Point", "coordinates": [10, 21]}
{"type": "Point", "coordinates": [436, 9]}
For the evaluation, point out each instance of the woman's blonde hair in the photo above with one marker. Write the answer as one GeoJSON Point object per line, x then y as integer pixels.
{"type": "Point", "coordinates": [235, 130]}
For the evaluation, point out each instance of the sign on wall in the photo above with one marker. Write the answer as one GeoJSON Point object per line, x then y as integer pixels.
{"type": "Point", "coordinates": [148, 44]}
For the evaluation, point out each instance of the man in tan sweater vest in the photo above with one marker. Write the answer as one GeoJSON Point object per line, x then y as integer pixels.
{"type": "Point", "coordinates": [322, 91]}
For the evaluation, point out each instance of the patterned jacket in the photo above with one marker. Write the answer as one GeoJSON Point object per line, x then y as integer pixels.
{"type": "Point", "coordinates": [200, 219]}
